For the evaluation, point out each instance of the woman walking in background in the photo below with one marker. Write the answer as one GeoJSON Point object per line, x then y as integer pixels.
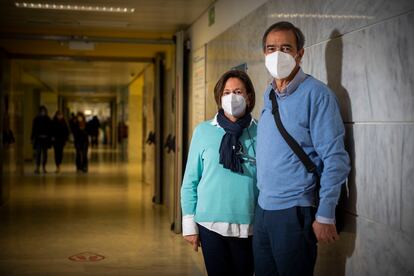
{"type": "Point", "coordinates": [60, 134]}
{"type": "Point", "coordinates": [219, 192]}
{"type": "Point", "coordinates": [41, 138]}
{"type": "Point", "coordinates": [81, 143]}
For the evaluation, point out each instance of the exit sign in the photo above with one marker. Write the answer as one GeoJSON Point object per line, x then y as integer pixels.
{"type": "Point", "coordinates": [211, 16]}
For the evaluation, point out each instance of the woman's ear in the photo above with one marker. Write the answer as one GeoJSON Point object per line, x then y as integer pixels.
{"type": "Point", "coordinates": [247, 102]}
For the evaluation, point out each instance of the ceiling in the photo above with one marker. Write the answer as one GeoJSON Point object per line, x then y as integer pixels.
{"type": "Point", "coordinates": [65, 75]}
{"type": "Point", "coordinates": [150, 16]}
{"type": "Point", "coordinates": [152, 20]}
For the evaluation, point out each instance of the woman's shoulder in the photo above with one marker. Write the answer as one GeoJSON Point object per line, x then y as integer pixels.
{"type": "Point", "coordinates": [205, 126]}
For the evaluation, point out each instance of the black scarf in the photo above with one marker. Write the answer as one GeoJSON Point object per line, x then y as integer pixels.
{"type": "Point", "coordinates": [230, 144]}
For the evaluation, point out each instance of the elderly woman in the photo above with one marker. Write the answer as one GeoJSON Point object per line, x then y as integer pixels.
{"type": "Point", "coordinates": [219, 192]}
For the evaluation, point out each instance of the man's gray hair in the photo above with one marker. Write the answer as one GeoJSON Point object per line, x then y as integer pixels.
{"type": "Point", "coordinates": [285, 26]}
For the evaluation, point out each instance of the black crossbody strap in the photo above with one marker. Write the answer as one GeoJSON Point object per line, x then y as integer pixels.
{"type": "Point", "coordinates": [296, 148]}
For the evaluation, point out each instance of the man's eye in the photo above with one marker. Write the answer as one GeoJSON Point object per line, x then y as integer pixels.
{"type": "Point", "coordinates": [286, 49]}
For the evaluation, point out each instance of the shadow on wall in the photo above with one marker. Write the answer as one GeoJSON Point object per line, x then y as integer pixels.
{"type": "Point", "coordinates": [332, 259]}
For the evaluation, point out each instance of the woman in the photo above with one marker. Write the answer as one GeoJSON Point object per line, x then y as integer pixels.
{"type": "Point", "coordinates": [219, 192]}
{"type": "Point", "coordinates": [41, 138]}
{"type": "Point", "coordinates": [60, 134]}
{"type": "Point", "coordinates": [81, 143]}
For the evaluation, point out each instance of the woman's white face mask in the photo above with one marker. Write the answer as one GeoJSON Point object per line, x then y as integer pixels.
{"type": "Point", "coordinates": [280, 65]}
{"type": "Point", "coordinates": [233, 104]}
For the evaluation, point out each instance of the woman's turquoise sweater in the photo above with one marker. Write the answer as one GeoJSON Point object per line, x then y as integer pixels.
{"type": "Point", "coordinates": [211, 192]}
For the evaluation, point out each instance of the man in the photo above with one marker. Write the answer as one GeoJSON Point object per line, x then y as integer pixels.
{"type": "Point", "coordinates": [285, 229]}
{"type": "Point", "coordinates": [41, 138]}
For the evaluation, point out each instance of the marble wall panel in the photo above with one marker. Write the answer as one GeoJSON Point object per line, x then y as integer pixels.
{"type": "Point", "coordinates": [317, 18]}
{"type": "Point", "coordinates": [375, 182]}
{"type": "Point", "coordinates": [381, 251]}
{"type": "Point", "coordinates": [370, 70]}
{"type": "Point", "coordinates": [368, 248]}
{"type": "Point", "coordinates": [407, 167]}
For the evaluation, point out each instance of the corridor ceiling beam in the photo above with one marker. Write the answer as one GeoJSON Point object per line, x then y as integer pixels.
{"type": "Point", "coordinates": [81, 58]}
{"type": "Point", "coordinates": [90, 39]}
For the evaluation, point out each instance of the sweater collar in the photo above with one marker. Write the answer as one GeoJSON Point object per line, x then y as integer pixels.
{"type": "Point", "coordinates": [292, 86]}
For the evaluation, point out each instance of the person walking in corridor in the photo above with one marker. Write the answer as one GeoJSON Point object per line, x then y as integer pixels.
{"type": "Point", "coordinates": [300, 143]}
{"type": "Point", "coordinates": [219, 193]}
{"type": "Point", "coordinates": [60, 134]}
{"type": "Point", "coordinates": [81, 143]}
{"type": "Point", "coordinates": [41, 138]}
{"type": "Point", "coordinates": [93, 129]}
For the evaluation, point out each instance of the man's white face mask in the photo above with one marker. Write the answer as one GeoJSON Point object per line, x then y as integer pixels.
{"type": "Point", "coordinates": [233, 104]}
{"type": "Point", "coordinates": [280, 64]}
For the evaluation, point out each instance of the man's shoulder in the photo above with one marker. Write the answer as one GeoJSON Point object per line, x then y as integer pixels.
{"type": "Point", "coordinates": [315, 84]}
{"type": "Point", "coordinates": [317, 88]}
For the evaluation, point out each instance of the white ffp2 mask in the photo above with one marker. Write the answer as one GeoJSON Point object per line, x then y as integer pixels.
{"type": "Point", "coordinates": [233, 104]}
{"type": "Point", "coordinates": [280, 64]}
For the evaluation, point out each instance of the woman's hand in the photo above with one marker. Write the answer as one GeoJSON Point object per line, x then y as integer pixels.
{"type": "Point", "coordinates": [194, 240]}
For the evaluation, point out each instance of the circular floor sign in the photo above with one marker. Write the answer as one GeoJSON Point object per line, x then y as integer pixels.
{"type": "Point", "coordinates": [86, 257]}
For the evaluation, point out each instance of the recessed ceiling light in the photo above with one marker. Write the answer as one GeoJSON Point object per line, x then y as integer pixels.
{"type": "Point", "coordinates": [52, 6]}
{"type": "Point", "coordinates": [320, 16]}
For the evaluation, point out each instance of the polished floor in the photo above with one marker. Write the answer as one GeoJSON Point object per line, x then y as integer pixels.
{"type": "Point", "coordinates": [100, 223]}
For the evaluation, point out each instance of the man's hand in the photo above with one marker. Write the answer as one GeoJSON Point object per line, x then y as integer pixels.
{"type": "Point", "coordinates": [325, 233]}
{"type": "Point", "coordinates": [194, 240]}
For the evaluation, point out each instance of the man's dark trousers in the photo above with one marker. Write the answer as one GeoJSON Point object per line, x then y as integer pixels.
{"type": "Point", "coordinates": [283, 242]}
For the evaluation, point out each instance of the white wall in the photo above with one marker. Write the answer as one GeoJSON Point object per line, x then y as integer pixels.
{"type": "Point", "coordinates": [227, 13]}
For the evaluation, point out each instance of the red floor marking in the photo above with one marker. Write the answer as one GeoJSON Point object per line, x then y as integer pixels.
{"type": "Point", "coordinates": [86, 257]}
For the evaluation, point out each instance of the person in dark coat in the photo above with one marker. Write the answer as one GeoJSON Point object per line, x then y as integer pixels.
{"type": "Point", "coordinates": [72, 125]}
{"type": "Point", "coordinates": [60, 134]}
{"type": "Point", "coordinates": [93, 130]}
{"type": "Point", "coordinates": [81, 143]}
{"type": "Point", "coordinates": [41, 138]}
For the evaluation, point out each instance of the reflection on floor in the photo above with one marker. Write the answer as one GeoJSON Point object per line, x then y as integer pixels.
{"type": "Point", "coordinates": [106, 214]}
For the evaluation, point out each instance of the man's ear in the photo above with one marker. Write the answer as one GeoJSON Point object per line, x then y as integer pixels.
{"type": "Point", "coordinates": [301, 52]}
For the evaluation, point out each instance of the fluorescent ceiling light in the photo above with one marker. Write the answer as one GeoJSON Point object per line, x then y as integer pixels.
{"type": "Point", "coordinates": [94, 23]}
{"type": "Point", "coordinates": [320, 16]}
{"type": "Point", "coordinates": [80, 45]}
{"type": "Point", "coordinates": [51, 6]}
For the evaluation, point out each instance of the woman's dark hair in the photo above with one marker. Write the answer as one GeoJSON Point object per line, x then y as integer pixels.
{"type": "Point", "coordinates": [285, 26]}
{"type": "Point", "coordinates": [221, 83]}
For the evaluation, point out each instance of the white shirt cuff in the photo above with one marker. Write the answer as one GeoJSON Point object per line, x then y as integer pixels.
{"type": "Point", "coordinates": [189, 225]}
{"type": "Point", "coordinates": [325, 220]}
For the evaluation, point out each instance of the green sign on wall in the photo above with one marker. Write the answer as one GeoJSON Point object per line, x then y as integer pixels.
{"type": "Point", "coordinates": [211, 16]}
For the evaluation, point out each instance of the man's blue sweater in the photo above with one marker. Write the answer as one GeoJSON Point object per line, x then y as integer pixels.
{"type": "Point", "coordinates": [310, 114]}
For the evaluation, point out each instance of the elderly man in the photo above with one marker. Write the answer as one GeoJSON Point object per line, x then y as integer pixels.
{"type": "Point", "coordinates": [288, 221]}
